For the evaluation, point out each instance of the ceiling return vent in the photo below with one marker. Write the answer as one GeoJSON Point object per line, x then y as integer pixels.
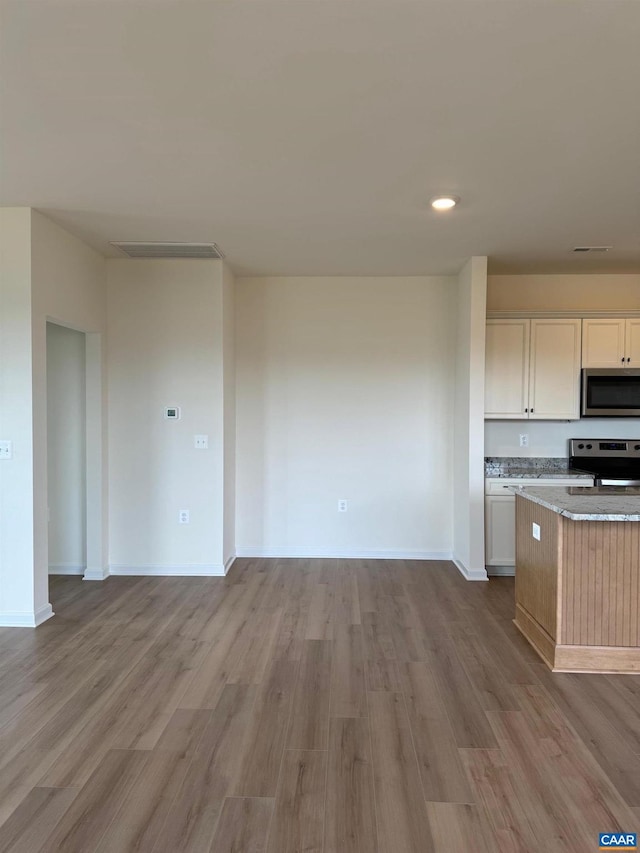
{"type": "Point", "coordinates": [170, 250]}
{"type": "Point", "coordinates": [585, 249]}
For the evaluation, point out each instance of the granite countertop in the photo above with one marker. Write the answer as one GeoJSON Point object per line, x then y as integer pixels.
{"type": "Point", "coordinates": [584, 503]}
{"type": "Point", "coordinates": [531, 467]}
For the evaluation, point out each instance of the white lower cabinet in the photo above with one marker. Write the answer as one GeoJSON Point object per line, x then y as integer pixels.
{"type": "Point", "coordinates": [500, 530]}
{"type": "Point", "coordinates": [500, 519]}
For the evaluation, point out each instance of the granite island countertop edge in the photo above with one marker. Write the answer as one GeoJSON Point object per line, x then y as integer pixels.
{"type": "Point", "coordinates": [611, 508]}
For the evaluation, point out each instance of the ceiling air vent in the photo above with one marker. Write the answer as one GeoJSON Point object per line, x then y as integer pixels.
{"type": "Point", "coordinates": [584, 249]}
{"type": "Point", "coordinates": [170, 250]}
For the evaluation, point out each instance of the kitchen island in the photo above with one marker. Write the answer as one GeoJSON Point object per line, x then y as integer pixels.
{"type": "Point", "coordinates": [578, 576]}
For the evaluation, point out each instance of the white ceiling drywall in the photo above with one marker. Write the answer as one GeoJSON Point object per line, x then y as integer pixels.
{"type": "Point", "coordinates": [306, 137]}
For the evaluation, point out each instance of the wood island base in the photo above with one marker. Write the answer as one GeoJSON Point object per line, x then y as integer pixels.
{"type": "Point", "coordinates": [562, 658]}
{"type": "Point", "coordinates": [578, 590]}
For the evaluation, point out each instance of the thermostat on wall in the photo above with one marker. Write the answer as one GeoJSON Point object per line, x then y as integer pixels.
{"type": "Point", "coordinates": [172, 413]}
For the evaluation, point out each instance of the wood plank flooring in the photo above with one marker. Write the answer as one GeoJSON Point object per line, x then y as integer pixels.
{"type": "Point", "coordinates": [324, 706]}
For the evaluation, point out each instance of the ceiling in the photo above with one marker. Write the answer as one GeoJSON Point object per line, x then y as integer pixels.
{"type": "Point", "coordinates": [306, 137]}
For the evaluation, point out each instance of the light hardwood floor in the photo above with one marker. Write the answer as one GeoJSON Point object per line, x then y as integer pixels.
{"type": "Point", "coordinates": [305, 705]}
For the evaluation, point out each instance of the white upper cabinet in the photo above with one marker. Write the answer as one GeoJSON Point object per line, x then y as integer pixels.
{"type": "Point", "coordinates": [611, 342]}
{"type": "Point", "coordinates": [554, 383]}
{"type": "Point", "coordinates": [533, 369]}
{"type": "Point", "coordinates": [506, 390]}
{"type": "Point", "coordinates": [632, 339]}
{"type": "Point", "coordinates": [603, 343]}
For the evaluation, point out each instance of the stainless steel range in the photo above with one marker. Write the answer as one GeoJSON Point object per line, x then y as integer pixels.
{"type": "Point", "coordinates": [613, 462]}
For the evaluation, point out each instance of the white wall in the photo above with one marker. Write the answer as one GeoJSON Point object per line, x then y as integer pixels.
{"type": "Point", "coordinates": [345, 390]}
{"type": "Point", "coordinates": [17, 579]}
{"type": "Point", "coordinates": [468, 503]}
{"type": "Point", "coordinates": [66, 450]}
{"type": "Point", "coordinates": [563, 292]}
{"type": "Point", "coordinates": [45, 273]}
{"type": "Point", "coordinates": [69, 288]}
{"type": "Point", "coordinates": [165, 349]}
{"type": "Point", "coordinates": [551, 438]}
{"type": "Point", "coordinates": [229, 418]}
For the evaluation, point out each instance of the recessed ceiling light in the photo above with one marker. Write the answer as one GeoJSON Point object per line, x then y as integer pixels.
{"type": "Point", "coordinates": [444, 202]}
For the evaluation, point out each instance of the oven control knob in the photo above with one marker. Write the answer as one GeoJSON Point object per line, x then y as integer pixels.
{"type": "Point", "coordinates": [581, 447]}
{"type": "Point", "coordinates": [636, 446]}
{"type": "Point", "coordinates": [589, 446]}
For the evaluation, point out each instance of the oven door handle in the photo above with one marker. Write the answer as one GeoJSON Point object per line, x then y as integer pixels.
{"type": "Point", "coordinates": [607, 481]}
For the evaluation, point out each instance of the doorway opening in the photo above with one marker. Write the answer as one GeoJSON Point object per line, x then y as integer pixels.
{"type": "Point", "coordinates": [66, 450]}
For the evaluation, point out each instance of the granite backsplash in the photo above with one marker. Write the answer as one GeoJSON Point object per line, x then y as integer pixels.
{"type": "Point", "coordinates": [529, 466]}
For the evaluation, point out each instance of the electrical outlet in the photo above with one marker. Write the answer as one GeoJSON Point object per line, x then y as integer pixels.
{"type": "Point", "coordinates": [183, 516]}
{"type": "Point", "coordinates": [524, 439]}
{"type": "Point", "coordinates": [342, 506]}
{"type": "Point", "coordinates": [6, 450]}
{"type": "Point", "coordinates": [201, 442]}
{"type": "Point", "coordinates": [535, 531]}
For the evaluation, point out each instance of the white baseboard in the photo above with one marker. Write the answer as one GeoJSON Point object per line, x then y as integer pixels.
{"type": "Point", "coordinates": [470, 574]}
{"type": "Point", "coordinates": [342, 553]}
{"type": "Point", "coordinates": [25, 618]}
{"type": "Point", "coordinates": [501, 571]}
{"type": "Point", "coordinates": [66, 569]}
{"type": "Point", "coordinates": [99, 574]}
{"type": "Point", "coordinates": [228, 563]}
{"type": "Point", "coordinates": [162, 570]}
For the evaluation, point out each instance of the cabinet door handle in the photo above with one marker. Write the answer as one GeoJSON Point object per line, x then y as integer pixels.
{"type": "Point", "coordinates": [526, 410]}
{"type": "Point", "coordinates": [622, 359]}
{"type": "Point", "coordinates": [532, 410]}
{"type": "Point", "coordinates": [629, 358]}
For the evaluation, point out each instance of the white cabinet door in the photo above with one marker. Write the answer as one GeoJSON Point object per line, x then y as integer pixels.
{"type": "Point", "coordinates": [632, 342]}
{"type": "Point", "coordinates": [603, 342]}
{"type": "Point", "coordinates": [507, 369]}
{"type": "Point", "coordinates": [554, 384]}
{"type": "Point", "coordinates": [500, 530]}
{"type": "Point", "coordinates": [500, 515]}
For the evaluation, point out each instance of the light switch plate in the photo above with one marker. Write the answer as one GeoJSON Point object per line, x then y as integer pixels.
{"type": "Point", "coordinates": [201, 442]}
{"type": "Point", "coordinates": [535, 531]}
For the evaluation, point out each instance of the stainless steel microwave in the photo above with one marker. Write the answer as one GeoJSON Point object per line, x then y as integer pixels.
{"type": "Point", "coordinates": [610, 393]}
